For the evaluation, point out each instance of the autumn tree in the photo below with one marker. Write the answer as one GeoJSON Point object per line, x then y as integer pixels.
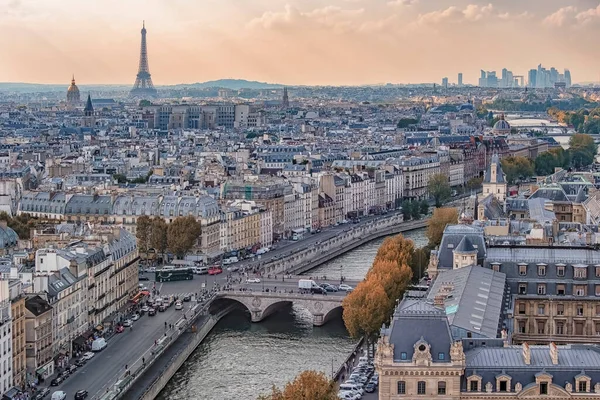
{"type": "Point", "coordinates": [436, 225]}
{"type": "Point", "coordinates": [396, 248]}
{"type": "Point", "coordinates": [309, 385]}
{"type": "Point", "coordinates": [143, 229]}
{"type": "Point", "coordinates": [158, 235]}
{"type": "Point", "coordinates": [22, 224]}
{"type": "Point", "coordinates": [439, 189]}
{"type": "Point", "coordinates": [182, 235]}
{"type": "Point", "coordinates": [366, 309]}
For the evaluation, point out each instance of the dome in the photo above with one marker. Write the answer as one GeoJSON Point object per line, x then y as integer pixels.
{"type": "Point", "coordinates": [8, 237]}
{"type": "Point", "coordinates": [466, 106]}
{"type": "Point", "coordinates": [73, 92]}
{"type": "Point", "coordinates": [501, 127]}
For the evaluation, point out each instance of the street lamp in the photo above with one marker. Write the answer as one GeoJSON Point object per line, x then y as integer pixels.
{"type": "Point", "coordinates": [341, 274]}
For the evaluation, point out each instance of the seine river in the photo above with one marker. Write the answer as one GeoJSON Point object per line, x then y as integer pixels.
{"type": "Point", "coordinates": [241, 360]}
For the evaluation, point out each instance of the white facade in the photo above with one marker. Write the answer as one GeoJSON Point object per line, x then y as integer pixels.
{"type": "Point", "coordinates": [6, 345]}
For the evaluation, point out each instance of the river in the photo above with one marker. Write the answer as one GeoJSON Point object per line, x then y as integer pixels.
{"type": "Point", "coordinates": [241, 360]}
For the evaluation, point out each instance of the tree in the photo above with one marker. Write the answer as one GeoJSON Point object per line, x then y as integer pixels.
{"type": "Point", "coordinates": [517, 168]}
{"type": "Point", "coordinates": [396, 248]}
{"type": "Point", "coordinates": [436, 225]}
{"type": "Point", "coordinates": [439, 189]}
{"type": "Point", "coordinates": [419, 262]}
{"type": "Point", "coordinates": [144, 103]}
{"type": "Point", "coordinates": [120, 178]}
{"type": "Point", "coordinates": [366, 309]}
{"type": "Point", "coordinates": [415, 209]}
{"type": "Point", "coordinates": [143, 231]}
{"type": "Point", "coordinates": [158, 235]}
{"type": "Point", "coordinates": [424, 207]}
{"type": "Point", "coordinates": [309, 385]}
{"type": "Point", "coordinates": [406, 122]}
{"type": "Point", "coordinates": [474, 183]}
{"type": "Point", "coordinates": [406, 210]}
{"type": "Point", "coordinates": [21, 224]}
{"type": "Point", "coordinates": [582, 149]}
{"type": "Point", "coordinates": [182, 235]}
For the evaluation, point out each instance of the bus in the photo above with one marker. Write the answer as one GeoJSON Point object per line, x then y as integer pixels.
{"type": "Point", "coordinates": [298, 234]}
{"type": "Point", "coordinates": [174, 274]}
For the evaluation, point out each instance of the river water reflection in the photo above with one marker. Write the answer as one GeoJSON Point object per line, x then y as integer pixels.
{"type": "Point", "coordinates": [241, 360]}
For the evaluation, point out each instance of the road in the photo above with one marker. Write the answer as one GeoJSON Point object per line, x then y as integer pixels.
{"type": "Point", "coordinates": [123, 348]}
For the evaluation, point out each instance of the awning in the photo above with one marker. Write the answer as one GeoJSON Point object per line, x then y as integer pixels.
{"type": "Point", "coordinates": [80, 341]}
{"type": "Point", "coordinates": [40, 371]}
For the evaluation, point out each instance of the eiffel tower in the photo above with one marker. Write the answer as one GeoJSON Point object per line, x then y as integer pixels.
{"type": "Point", "coordinates": [143, 86]}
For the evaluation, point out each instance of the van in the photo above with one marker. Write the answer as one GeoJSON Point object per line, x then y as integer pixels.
{"type": "Point", "coordinates": [98, 344]}
{"type": "Point", "coordinates": [200, 270]}
{"type": "Point", "coordinates": [348, 387]}
{"type": "Point", "coordinates": [230, 260]}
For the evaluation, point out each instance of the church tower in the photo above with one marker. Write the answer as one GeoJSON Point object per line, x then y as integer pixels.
{"type": "Point", "coordinates": [89, 121]}
{"type": "Point", "coordinates": [73, 98]}
{"type": "Point", "coordinates": [494, 182]}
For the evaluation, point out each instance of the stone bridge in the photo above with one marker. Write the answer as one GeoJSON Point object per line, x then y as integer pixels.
{"type": "Point", "coordinates": [262, 304]}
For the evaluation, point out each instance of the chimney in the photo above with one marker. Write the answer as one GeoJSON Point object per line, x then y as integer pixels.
{"type": "Point", "coordinates": [526, 353]}
{"type": "Point", "coordinates": [554, 353]}
{"type": "Point", "coordinates": [438, 300]}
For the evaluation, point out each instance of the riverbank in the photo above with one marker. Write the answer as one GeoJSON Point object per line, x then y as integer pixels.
{"type": "Point", "coordinates": [347, 240]}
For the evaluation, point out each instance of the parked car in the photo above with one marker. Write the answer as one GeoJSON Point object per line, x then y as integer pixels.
{"type": "Point", "coordinates": [145, 308]}
{"type": "Point", "coordinates": [151, 312]}
{"type": "Point", "coordinates": [162, 308]}
{"type": "Point", "coordinates": [119, 329]}
{"type": "Point", "coordinates": [345, 288]}
{"type": "Point", "coordinates": [59, 395]}
{"type": "Point", "coordinates": [370, 388]}
{"type": "Point", "coordinates": [56, 381]}
{"type": "Point", "coordinates": [41, 394]}
{"type": "Point", "coordinates": [87, 356]}
{"type": "Point", "coordinates": [127, 323]}
{"type": "Point", "coordinates": [179, 305]}
{"type": "Point", "coordinates": [143, 278]}
{"type": "Point", "coordinates": [72, 368]}
{"type": "Point", "coordinates": [253, 280]}
{"type": "Point", "coordinates": [81, 394]}
{"type": "Point", "coordinates": [135, 317]}
{"type": "Point", "coordinates": [80, 362]}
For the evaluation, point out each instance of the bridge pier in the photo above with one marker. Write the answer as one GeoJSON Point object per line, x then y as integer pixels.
{"type": "Point", "coordinates": [318, 319]}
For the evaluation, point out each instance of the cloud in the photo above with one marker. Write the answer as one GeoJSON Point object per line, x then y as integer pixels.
{"type": "Point", "coordinates": [330, 17]}
{"type": "Point", "coordinates": [453, 14]}
{"type": "Point", "coordinates": [402, 2]}
{"type": "Point", "coordinates": [560, 16]}
{"type": "Point", "coordinates": [588, 16]}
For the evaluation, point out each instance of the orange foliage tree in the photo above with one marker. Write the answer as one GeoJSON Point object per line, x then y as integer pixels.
{"type": "Point", "coordinates": [309, 385]}
{"type": "Point", "coordinates": [436, 225]}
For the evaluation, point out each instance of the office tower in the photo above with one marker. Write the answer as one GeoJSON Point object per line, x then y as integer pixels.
{"type": "Point", "coordinates": [460, 81]}
{"type": "Point", "coordinates": [568, 78]}
{"type": "Point", "coordinates": [285, 102]}
{"type": "Point", "coordinates": [492, 79]}
{"type": "Point", "coordinates": [143, 86]}
{"type": "Point", "coordinates": [483, 79]}
{"type": "Point", "coordinates": [445, 83]}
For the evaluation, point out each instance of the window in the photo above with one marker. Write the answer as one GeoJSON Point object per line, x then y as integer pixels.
{"type": "Point", "coordinates": [541, 309]}
{"type": "Point", "coordinates": [597, 271]}
{"type": "Point", "coordinates": [441, 356]}
{"type": "Point", "coordinates": [401, 387]}
{"type": "Point", "coordinates": [421, 387]}
{"type": "Point", "coordinates": [543, 387]}
{"type": "Point", "coordinates": [522, 269]}
{"type": "Point", "coordinates": [560, 270]}
{"type": "Point", "coordinates": [503, 386]}
{"type": "Point", "coordinates": [560, 309]}
{"type": "Point", "coordinates": [522, 308]}
{"type": "Point", "coordinates": [441, 387]}
{"type": "Point", "coordinates": [522, 288]}
{"type": "Point", "coordinates": [540, 327]}
{"type": "Point", "coordinates": [521, 326]}
{"type": "Point", "coordinates": [597, 290]}
{"type": "Point", "coordinates": [560, 289]}
{"type": "Point", "coordinates": [496, 267]}
{"type": "Point", "coordinates": [579, 310]}
{"type": "Point", "coordinates": [403, 355]}
{"type": "Point", "coordinates": [598, 309]}
{"type": "Point", "coordinates": [560, 328]}
{"type": "Point", "coordinates": [541, 288]}
{"type": "Point", "coordinates": [473, 386]}
{"type": "Point", "coordinates": [580, 272]}
{"type": "Point", "coordinates": [582, 386]}
{"type": "Point", "coordinates": [597, 326]}
{"type": "Point", "coordinates": [580, 290]}
{"type": "Point", "coordinates": [541, 270]}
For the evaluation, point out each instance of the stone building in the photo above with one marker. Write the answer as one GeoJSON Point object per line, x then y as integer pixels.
{"type": "Point", "coordinates": [38, 338]}
{"type": "Point", "coordinates": [494, 181]}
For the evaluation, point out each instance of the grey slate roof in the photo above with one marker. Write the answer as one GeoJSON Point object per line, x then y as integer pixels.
{"type": "Point", "coordinates": [551, 192]}
{"type": "Point", "coordinates": [499, 174]}
{"type": "Point", "coordinates": [453, 235]}
{"type": "Point", "coordinates": [474, 302]}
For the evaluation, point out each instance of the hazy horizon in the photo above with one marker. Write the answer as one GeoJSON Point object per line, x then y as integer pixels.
{"type": "Point", "coordinates": [298, 42]}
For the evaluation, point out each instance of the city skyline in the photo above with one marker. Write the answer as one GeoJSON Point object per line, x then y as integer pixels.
{"type": "Point", "coordinates": [343, 42]}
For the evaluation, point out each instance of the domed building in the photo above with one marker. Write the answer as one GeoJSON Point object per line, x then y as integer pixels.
{"type": "Point", "coordinates": [8, 238]}
{"type": "Point", "coordinates": [501, 127]}
{"type": "Point", "coordinates": [73, 97]}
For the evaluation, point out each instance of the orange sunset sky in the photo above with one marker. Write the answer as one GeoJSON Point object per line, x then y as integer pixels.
{"type": "Point", "coordinates": [311, 42]}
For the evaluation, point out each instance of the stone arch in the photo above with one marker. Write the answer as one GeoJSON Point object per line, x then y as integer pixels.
{"type": "Point", "coordinates": [274, 307]}
{"type": "Point", "coordinates": [221, 303]}
{"type": "Point", "coordinates": [332, 313]}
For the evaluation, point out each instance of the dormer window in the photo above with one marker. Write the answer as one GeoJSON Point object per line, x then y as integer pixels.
{"type": "Point", "coordinates": [583, 383]}
{"type": "Point", "coordinates": [474, 383]}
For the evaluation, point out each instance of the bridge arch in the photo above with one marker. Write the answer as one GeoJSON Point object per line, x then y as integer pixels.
{"type": "Point", "coordinates": [335, 311]}
{"type": "Point", "coordinates": [221, 303]}
{"type": "Point", "coordinates": [274, 307]}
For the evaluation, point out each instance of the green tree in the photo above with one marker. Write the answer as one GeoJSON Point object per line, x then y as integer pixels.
{"type": "Point", "coordinates": [517, 168]}
{"type": "Point", "coordinates": [120, 178]}
{"type": "Point", "coordinates": [582, 150]}
{"type": "Point", "coordinates": [309, 385]}
{"type": "Point", "coordinates": [474, 183]}
{"type": "Point", "coordinates": [439, 189]}
{"type": "Point", "coordinates": [436, 225]}
{"type": "Point", "coordinates": [545, 163]}
{"type": "Point", "coordinates": [182, 234]}
{"type": "Point", "coordinates": [144, 103]}
{"type": "Point", "coordinates": [419, 262]}
{"type": "Point", "coordinates": [143, 230]}
{"type": "Point", "coordinates": [415, 209]}
{"type": "Point", "coordinates": [406, 209]}
{"type": "Point", "coordinates": [424, 207]}
{"type": "Point", "coordinates": [406, 122]}
{"type": "Point", "coordinates": [158, 235]}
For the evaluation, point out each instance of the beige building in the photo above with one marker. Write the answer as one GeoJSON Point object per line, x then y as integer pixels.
{"type": "Point", "coordinates": [494, 181]}
{"type": "Point", "coordinates": [19, 362]}
{"type": "Point", "coordinates": [38, 337]}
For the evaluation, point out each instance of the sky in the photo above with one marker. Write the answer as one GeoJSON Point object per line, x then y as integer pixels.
{"type": "Point", "coordinates": [295, 42]}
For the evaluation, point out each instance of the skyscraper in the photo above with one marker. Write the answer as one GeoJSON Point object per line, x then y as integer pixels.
{"type": "Point", "coordinates": [285, 102]}
{"type": "Point", "coordinates": [445, 83]}
{"type": "Point", "coordinates": [143, 86]}
{"type": "Point", "coordinates": [567, 78]}
{"type": "Point", "coordinates": [532, 78]}
{"type": "Point", "coordinates": [460, 79]}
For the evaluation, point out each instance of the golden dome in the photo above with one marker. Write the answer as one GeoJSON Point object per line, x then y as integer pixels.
{"type": "Point", "coordinates": [73, 92]}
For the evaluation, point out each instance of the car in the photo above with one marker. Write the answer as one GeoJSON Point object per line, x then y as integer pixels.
{"type": "Point", "coordinates": [162, 308]}
{"type": "Point", "coordinates": [151, 312]}
{"type": "Point", "coordinates": [345, 288]}
{"type": "Point", "coordinates": [59, 395]}
{"type": "Point", "coordinates": [179, 305]}
{"type": "Point", "coordinates": [80, 362]}
{"type": "Point", "coordinates": [187, 298]}
{"type": "Point", "coordinates": [41, 394]}
{"type": "Point", "coordinates": [87, 356]}
{"type": "Point", "coordinates": [64, 374]}
{"type": "Point", "coordinates": [119, 329]}
{"type": "Point", "coordinates": [331, 288]}
{"type": "Point", "coordinates": [56, 381]}
{"type": "Point", "coordinates": [143, 278]}
{"type": "Point", "coordinates": [135, 317]}
{"type": "Point", "coordinates": [253, 280]}
{"type": "Point", "coordinates": [127, 323]}
{"type": "Point", "coordinates": [370, 388]}
{"type": "Point", "coordinates": [145, 308]}
{"type": "Point", "coordinates": [81, 394]}
{"type": "Point", "coordinates": [71, 368]}
{"type": "Point", "coordinates": [233, 269]}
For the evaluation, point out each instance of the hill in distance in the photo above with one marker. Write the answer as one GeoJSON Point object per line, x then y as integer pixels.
{"type": "Point", "coordinates": [233, 84]}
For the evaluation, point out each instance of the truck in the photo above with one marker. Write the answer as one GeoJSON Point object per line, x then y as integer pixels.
{"type": "Point", "coordinates": [310, 286]}
{"type": "Point", "coordinates": [98, 344]}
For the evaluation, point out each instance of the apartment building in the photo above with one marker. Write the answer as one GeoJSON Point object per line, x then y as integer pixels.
{"type": "Point", "coordinates": [417, 172]}
{"type": "Point", "coordinates": [38, 337]}
{"type": "Point", "coordinates": [17, 306]}
{"type": "Point", "coordinates": [6, 342]}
